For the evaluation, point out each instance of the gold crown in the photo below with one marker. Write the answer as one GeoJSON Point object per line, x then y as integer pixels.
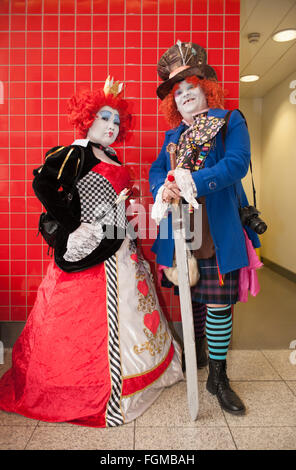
{"type": "Point", "coordinates": [111, 87]}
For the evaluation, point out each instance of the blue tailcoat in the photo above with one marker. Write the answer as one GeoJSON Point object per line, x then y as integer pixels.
{"type": "Point", "coordinates": [220, 182]}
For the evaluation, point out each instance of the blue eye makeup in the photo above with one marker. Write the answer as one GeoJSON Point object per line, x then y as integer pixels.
{"type": "Point", "coordinates": [116, 119]}
{"type": "Point", "coordinates": [105, 115]}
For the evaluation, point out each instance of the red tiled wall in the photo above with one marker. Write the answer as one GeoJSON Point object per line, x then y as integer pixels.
{"type": "Point", "coordinates": [50, 48]}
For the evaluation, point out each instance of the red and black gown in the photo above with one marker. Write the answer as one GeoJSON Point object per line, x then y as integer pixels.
{"type": "Point", "coordinates": [96, 349]}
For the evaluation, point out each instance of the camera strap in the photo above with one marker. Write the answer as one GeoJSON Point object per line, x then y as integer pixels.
{"type": "Point", "coordinates": [223, 132]}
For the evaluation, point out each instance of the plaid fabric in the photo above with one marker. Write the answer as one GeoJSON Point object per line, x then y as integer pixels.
{"type": "Point", "coordinates": [208, 290]}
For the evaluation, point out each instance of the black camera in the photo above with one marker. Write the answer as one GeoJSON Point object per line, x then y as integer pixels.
{"type": "Point", "coordinates": [249, 217]}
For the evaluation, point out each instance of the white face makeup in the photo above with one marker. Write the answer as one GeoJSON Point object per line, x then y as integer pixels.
{"type": "Point", "coordinates": [190, 100]}
{"type": "Point", "coordinates": [105, 128]}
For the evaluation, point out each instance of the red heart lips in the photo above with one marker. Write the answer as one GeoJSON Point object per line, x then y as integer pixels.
{"type": "Point", "coordinates": [151, 320]}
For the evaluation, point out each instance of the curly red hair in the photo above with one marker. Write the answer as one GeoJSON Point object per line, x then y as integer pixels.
{"type": "Point", "coordinates": [84, 105]}
{"type": "Point", "coordinates": [211, 88]}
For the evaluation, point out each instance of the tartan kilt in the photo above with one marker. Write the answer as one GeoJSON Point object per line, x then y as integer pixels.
{"type": "Point", "coordinates": [208, 290]}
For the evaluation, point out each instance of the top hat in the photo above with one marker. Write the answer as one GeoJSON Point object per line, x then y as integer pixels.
{"type": "Point", "coordinates": [182, 60]}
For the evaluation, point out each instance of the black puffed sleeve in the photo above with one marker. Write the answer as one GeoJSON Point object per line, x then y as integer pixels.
{"type": "Point", "coordinates": [58, 172]}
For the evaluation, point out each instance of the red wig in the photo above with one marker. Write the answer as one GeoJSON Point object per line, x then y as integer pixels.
{"type": "Point", "coordinates": [83, 108]}
{"type": "Point", "coordinates": [211, 88]}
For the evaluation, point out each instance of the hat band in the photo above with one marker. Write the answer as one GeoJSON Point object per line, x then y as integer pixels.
{"type": "Point", "coordinates": [178, 70]}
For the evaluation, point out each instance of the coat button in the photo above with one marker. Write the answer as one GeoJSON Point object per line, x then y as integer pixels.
{"type": "Point", "coordinates": [212, 185]}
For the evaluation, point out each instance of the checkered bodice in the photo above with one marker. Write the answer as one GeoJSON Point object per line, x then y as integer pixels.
{"type": "Point", "coordinates": [97, 195]}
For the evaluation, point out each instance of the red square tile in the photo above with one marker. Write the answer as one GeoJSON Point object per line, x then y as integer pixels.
{"type": "Point", "coordinates": [132, 73]}
{"type": "Point", "coordinates": [51, 6]}
{"type": "Point", "coordinates": [215, 56]}
{"type": "Point", "coordinates": [100, 23]}
{"type": "Point", "coordinates": [99, 56]}
{"type": "Point", "coordinates": [17, 22]}
{"type": "Point", "coordinates": [149, 23]}
{"type": "Point", "coordinates": [166, 40]}
{"type": "Point", "coordinates": [18, 252]}
{"type": "Point", "coordinates": [17, 123]}
{"type": "Point", "coordinates": [50, 56]}
{"type": "Point", "coordinates": [183, 23]}
{"type": "Point", "coordinates": [4, 72]}
{"type": "Point", "coordinates": [232, 39]}
{"type": "Point", "coordinates": [83, 23]}
{"type": "Point", "coordinates": [18, 313]}
{"type": "Point", "coordinates": [149, 8]}
{"type": "Point", "coordinates": [231, 56]}
{"type": "Point", "coordinates": [149, 40]}
{"type": "Point", "coordinates": [216, 6]}
{"type": "Point", "coordinates": [183, 6]}
{"type": "Point", "coordinates": [34, 7]}
{"type": "Point", "coordinates": [67, 38]}
{"type": "Point", "coordinates": [83, 73]}
{"type": "Point", "coordinates": [232, 6]}
{"type": "Point", "coordinates": [34, 268]}
{"type": "Point", "coordinates": [134, 7]}
{"type": "Point", "coordinates": [116, 23]}
{"type": "Point", "coordinates": [4, 313]}
{"type": "Point", "coordinates": [4, 7]}
{"type": "Point", "coordinates": [18, 283]}
{"type": "Point", "coordinates": [132, 56]}
{"type": "Point", "coordinates": [67, 56]}
{"type": "Point", "coordinates": [33, 56]}
{"type": "Point", "coordinates": [4, 139]}
{"type": "Point", "coordinates": [50, 39]}
{"type": "Point", "coordinates": [133, 22]}
{"type": "Point", "coordinates": [116, 38]}
{"type": "Point", "coordinates": [33, 106]}
{"type": "Point", "coordinates": [84, 7]}
{"type": "Point", "coordinates": [215, 40]}
{"type": "Point", "coordinates": [34, 23]}
{"type": "Point", "coordinates": [67, 23]}
{"type": "Point", "coordinates": [67, 6]}
{"type": "Point", "coordinates": [100, 6]}
{"type": "Point", "coordinates": [117, 7]}
{"type": "Point", "coordinates": [4, 220]}
{"type": "Point", "coordinates": [232, 23]}
{"type": "Point", "coordinates": [83, 56]}
{"type": "Point", "coordinates": [133, 39]}
{"type": "Point", "coordinates": [216, 22]}
{"type": "Point", "coordinates": [231, 73]}
{"type": "Point", "coordinates": [34, 139]}
{"type": "Point", "coordinates": [232, 90]}
{"type": "Point", "coordinates": [4, 39]}
{"type": "Point", "coordinates": [100, 39]}
{"type": "Point", "coordinates": [17, 188]}
{"type": "Point", "coordinates": [166, 23]}
{"type": "Point", "coordinates": [4, 298]}
{"type": "Point", "coordinates": [17, 56]}
{"type": "Point", "coordinates": [199, 7]}
{"type": "Point", "coordinates": [50, 23]}
{"type": "Point", "coordinates": [33, 73]}
{"type": "Point", "coordinates": [83, 39]}
{"type": "Point", "coordinates": [164, 6]}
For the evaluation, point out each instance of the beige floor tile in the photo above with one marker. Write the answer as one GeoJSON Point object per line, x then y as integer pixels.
{"type": "Point", "coordinates": [171, 409]}
{"type": "Point", "coordinates": [14, 437]}
{"type": "Point", "coordinates": [13, 419]}
{"type": "Point", "coordinates": [249, 365]}
{"type": "Point", "coordinates": [69, 425]}
{"type": "Point", "coordinates": [281, 361]}
{"type": "Point", "coordinates": [180, 438]}
{"type": "Point", "coordinates": [271, 438]}
{"type": "Point", "coordinates": [79, 437]}
{"type": "Point", "coordinates": [292, 385]}
{"type": "Point", "coordinates": [7, 361]}
{"type": "Point", "coordinates": [267, 403]}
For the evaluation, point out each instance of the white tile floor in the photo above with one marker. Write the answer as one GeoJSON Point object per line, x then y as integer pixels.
{"type": "Point", "coordinates": [265, 380]}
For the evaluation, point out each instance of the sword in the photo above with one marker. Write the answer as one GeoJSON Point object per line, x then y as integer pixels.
{"type": "Point", "coordinates": [185, 299]}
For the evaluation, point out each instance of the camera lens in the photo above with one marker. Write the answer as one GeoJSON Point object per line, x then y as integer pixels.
{"type": "Point", "coordinates": [258, 225]}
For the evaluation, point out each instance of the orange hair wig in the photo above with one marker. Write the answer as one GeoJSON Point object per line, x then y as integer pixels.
{"type": "Point", "coordinates": [211, 88]}
{"type": "Point", "coordinates": [83, 108]}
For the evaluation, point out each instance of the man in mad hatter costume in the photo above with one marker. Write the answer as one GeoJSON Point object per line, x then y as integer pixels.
{"type": "Point", "coordinates": [213, 146]}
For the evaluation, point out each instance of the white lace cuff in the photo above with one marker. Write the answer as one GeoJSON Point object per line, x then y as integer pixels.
{"type": "Point", "coordinates": [159, 207]}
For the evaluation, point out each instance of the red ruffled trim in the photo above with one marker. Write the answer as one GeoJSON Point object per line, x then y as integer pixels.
{"type": "Point", "coordinates": [118, 176]}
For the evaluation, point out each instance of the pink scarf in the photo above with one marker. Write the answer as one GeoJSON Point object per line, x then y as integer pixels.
{"type": "Point", "coordinates": [248, 278]}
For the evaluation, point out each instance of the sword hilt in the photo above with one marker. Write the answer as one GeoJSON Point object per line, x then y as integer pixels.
{"type": "Point", "coordinates": [171, 149]}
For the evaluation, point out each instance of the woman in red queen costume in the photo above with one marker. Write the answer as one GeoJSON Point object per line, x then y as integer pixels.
{"type": "Point", "coordinates": [96, 349]}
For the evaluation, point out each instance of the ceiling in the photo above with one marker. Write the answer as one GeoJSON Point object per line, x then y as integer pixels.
{"type": "Point", "coordinates": [272, 61]}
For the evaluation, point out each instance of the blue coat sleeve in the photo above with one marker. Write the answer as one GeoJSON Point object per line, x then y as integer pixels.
{"type": "Point", "coordinates": [158, 171]}
{"type": "Point", "coordinates": [235, 163]}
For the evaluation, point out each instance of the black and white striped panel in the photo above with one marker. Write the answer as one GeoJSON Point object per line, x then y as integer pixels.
{"type": "Point", "coordinates": [113, 414]}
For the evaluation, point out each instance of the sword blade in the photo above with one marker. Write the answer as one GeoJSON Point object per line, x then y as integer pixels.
{"type": "Point", "coordinates": [186, 312]}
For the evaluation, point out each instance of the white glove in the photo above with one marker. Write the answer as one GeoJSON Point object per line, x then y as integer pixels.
{"type": "Point", "coordinates": [83, 241]}
{"type": "Point", "coordinates": [159, 207]}
{"type": "Point", "coordinates": [187, 186]}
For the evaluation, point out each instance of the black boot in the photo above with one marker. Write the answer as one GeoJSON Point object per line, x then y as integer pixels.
{"type": "Point", "coordinates": [201, 354]}
{"type": "Point", "coordinates": [218, 384]}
